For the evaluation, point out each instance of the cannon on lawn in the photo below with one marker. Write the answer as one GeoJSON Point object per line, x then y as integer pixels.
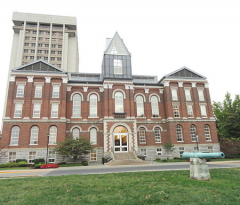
{"type": "Point", "coordinates": [198, 167]}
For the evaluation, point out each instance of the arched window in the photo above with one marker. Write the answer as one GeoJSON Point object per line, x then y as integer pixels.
{"type": "Point", "coordinates": [93, 136]}
{"type": "Point", "coordinates": [118, 102]}
{"type": "Point", "coordinates": [140, 106]}
{"type": "Point", "coordinates": [15, 135]}
{"type": "Point", "coordinates": [179, 133]}
{"type": "Point", "coordinates": [34, 135]}
{"type": "Point", "coordinates": [53, 135]}
{"type": "Point", "coordinates": [142, 135]}
{"type": "Point", "coordinates": [157, 134]}
{"type": "Point", "coordinates": [76, 106]}
{"type": "Point", "coordinates": [76, 133]}
{"type": "Point", "coordinates": [193, 132]}
{"type": "Point", "coordinates": [154, 104]}
{"type": "Point", "coordinates": [93, 105]}
{"type": "Point", "coordinates": [207, 133]}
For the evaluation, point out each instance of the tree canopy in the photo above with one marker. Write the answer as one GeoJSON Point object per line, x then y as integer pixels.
{"type": "Point", "coordinates": [228, 117]}
{"type": "Point", "coordinates": [74, 147]}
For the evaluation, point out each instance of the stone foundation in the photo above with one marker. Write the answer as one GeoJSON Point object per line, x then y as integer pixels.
{"type": "Point", "coordinates": [199, 169]}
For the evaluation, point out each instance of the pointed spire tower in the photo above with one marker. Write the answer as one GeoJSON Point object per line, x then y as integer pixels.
{"type": "Point", "coordinates": [116, 59]}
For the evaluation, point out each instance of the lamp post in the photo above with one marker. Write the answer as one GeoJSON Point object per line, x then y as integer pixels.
{"type": "Point", "coordinates": [48, 135]}
{"type": "Point", "coordinates": [197, 142]}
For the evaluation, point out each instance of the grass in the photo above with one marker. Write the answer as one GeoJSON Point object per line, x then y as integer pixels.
{"type": "Point", "coordinates": [165, 187]}
{"type": "Point", "coordinates": [70, 165]}
{"type": "Point", "coordinates": [14, 168]}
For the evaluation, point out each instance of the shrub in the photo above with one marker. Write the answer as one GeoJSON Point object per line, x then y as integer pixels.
{"type": "Point", "coordinates": [60, 163]}
{"type": "Point", "coordinates": [21, 160]}
{"type": "Point", "coordinates": [37, 166]}
{"type": "Point", "coordinates": [49, 166]}
{"type": "Point", "coordinates": [84, 163]}
{"type": "Point", "coordinates": [39, 161]}
{"type": "Point", "coordinates": [4, 165]}
{"type": "Point", "coordinates": [22, 164]}
{"type": "Point", "coordinates": [164, 160]}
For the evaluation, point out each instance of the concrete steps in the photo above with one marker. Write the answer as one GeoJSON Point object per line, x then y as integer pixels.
{"type": "Point", "coordinates": [125, 159]}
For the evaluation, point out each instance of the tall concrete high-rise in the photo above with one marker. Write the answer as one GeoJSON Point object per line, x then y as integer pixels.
{"type": "Point", "coordinates": [47, 37]}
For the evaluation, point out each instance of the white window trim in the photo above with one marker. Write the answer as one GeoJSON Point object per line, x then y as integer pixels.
{"type": "Point", "coordinates": [174, 88]}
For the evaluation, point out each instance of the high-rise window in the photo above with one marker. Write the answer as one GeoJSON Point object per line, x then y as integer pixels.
{"type": "Point", "coordinates": [140, 106]}
{"type": "Point", "coordinates": [34, 135]}
{"type": "Point", "coordinates": [174, 94]}
{"type": "Point", "coordinates": [193, 132]}
{"type": "Point", "coordinates": [203, 110]}
{"type": "Point", "coordinates": [93, 136]}
{"type": "Point", "coordinates": [200, 95]}
{"type": "Point", "coordinates": [20, 90]}
{"type": "Point", "coordinates": [188, 95]}
{"type": "Point", "coordinates": [179, 133]}
{"type": "Point", "coordinates": [76, 133]}
{"type": "Point", "coordinates": [55, 93]}
{"type": "Point", "coordinates": [176, 111]}
{"type": "Point", "coordinates": [207, 133]}
{"type": "Point", "coordinates": [157, 135]}
{"type": "Point", "coordinates": [117, 66]}
{"type": "Point", "coordinates": [18, 110]}
{"type": "Point", "coordinates": [38, 91]}
{"type": "Point", "coordinates": [93, 105]}
{"type": "Point", "coordinates": [154, 104]}
{"type": "Point", "coordinates": [14, 135]}
{"type": "Point", "coordinates": [36, 110]}
{"type": "Point", "coordinates": [142, 135]}
{"type": "Point", "coordinates": [76, 106]}
{"type": "Point", "coordinates": [53, 135]}
{"type": "Point", "coordinates": [118, 102]}
{"type": "Point", "coordinates": [54, 111]}
{"type": "Point", "coordinates": [189, 110]}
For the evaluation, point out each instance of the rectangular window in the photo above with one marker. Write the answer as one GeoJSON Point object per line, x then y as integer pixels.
{"type": "Point", "coordinates": [26, 44]}
{"type": "Point", "coordinates": [60, 52]}
{"type": "Point", "coordinates": [20, 91]}
{"type": "Point", "coordinates": [25, 50]}
{"type": "Point", "coordinates": [38, 91]}
{"type": "Point", "coordinates": [55, 93]}
{"type": "Point", "coordinates": [59, 46]}
{"type": "Point", "coordinates": [45, 58]}
{"type": "Point", "coordinates": [142, 137]}
{"type": "Point", "coordinates": [176, 111]}
{"type": "Point", "coordinates": [33, 44]}
{"type": "Point", "coordinates": [143, 152]}
{"type": "Point", "coordinates": [32, 51]}
{"type": "Point", "coordinates": [46, 45]}
{"type": "Point", "coordinates": [203, 110]}
{"type": "Point", "coordinates": [174, 94]}
{"type": "Point", "coordinates": [54, 112]}
{"type": "Point", "coordinates": [39, 51]}
{"type": "Point", "coordinates": [181, 150]}
{"type": "Point", "coordinates": [46, 52]}
{"type": "Point", "coordinates": [189, 110]}
{"type": "Point", "coordinates": [52, 58]}
{"type": "Point", "coordinates": [27, 37]}
{"type": "Point", "coordinates": [31, 157]}
{"type": "Point", "coordinates": [59, 59]}
{"type": "Point", "coordinates": [200, 95]}
{"type": "Point", "coordinates": [188, 95]}
{"type": "Point", "coordinates": [40, 45]}
{"type": "Point", "coordinates": [51, 156]}
{"type": "Point", "coordinates": [159, 151]}
{"type": "Point", "coordinates": [12, 156]}
{"type": "Point", "coordinates": [210, 149]}
{"type": "Point", "coordinates": [36, 110]}
{"type": "Point", "coordinates": [93, 155]}
{"type": "Point", "coordinates": [117, 66]}
{"type": "Point", "coordinates": [18, 110]}
{"type": "Point", "coordinates": [53, 45]}
{"type": "Point", "coordinates": [52, 52]}
{"type": "Point", "coordinates": [32, 57]}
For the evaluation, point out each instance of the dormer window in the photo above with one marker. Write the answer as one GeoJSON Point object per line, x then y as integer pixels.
{"type": "Point", "coordinates": [118, 66]}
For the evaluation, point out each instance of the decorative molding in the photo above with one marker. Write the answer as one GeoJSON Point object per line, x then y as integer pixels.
{"type": "Point", "coordinates": [206, 85]}
{"type": "Point", "coordinates": [37, 101]}
{"type": "Point", "coordinates": [101, 89]}
{"type": "Point", "coordinates": [180, 84]}
{"type": "Point", "coordinates": [161, 91]}
{"type": "Point", "coordinates": [64, 80]}
{"type": "Point", "coordinates": [20, 83]}
{"type": "Point", "coordinates": [193, 84]}
{"type": "Point", "coordinates": [85, 89]}
{"type": "Point", "coordinates": [110, 86]}
{"type": "Point", "coordinates": [30, 79]}
{"type": "Point", "coordinates": [146, 90]}
{"type": "Point", "coordinates": [12, 79]}
{"type": "Point", "coordinates": [48, 79]}
{"type": "Point", "coordinates": [166, 83]}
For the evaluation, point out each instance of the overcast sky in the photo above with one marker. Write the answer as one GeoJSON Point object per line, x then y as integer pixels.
{"type": "Point", "coordinates": [162, 36]}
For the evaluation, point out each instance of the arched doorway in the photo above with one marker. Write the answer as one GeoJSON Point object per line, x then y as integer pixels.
{"type": "Point", "coordinates": [120, 139]}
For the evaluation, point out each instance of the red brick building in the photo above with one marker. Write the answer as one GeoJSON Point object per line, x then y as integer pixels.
{"type": "Point", "coordinates": [115, 110]}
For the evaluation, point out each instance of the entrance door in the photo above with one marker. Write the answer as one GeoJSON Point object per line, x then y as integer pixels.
{"type": "Point", "coordinates": [120, 142]}
{"type": "Point", "coordinates": [120, 139]}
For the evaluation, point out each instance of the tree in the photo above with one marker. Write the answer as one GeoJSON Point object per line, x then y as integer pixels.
{"type": "Point", "coordinates": [230, 147]}
{"type": "Point", "coordinates": [74, 147]}
{"type": "Point", "coordinates": [228, 117]}
{"type": "Point", "coordinates": [168, 148]}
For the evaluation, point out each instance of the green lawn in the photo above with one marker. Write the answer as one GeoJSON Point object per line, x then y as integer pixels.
{"type": "Point", "coordinates": [165, 187]}
{"type": "Point", "coordinates": [14, 168]}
